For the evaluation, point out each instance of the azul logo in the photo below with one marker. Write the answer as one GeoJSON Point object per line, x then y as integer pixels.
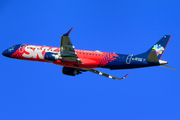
{"type": "Point", "coordinates": [158, 48]}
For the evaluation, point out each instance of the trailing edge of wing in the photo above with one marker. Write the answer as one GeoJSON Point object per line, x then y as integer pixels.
{"type": "Point", "coordinates": [107, 75]}
{"type": "Point", "coordinates": [67, 34]}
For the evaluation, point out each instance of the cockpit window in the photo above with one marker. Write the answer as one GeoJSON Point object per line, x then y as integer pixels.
{"type": "Point", "coordinates": [11, 48]}
{"type": "Point", "coordinates": [22, 45]}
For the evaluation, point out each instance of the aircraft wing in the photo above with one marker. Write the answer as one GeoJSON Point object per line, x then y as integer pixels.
{"type": "Point", "coordinates": [106, 75]}
{"type": "Point", "coordinates": [67, 49]}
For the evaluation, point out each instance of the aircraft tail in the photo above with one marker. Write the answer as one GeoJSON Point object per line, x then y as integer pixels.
{"type": "Point", "coordinates": [152, 58]}
{"type": "Point", "coordinates": [159, 47]}
{"type": "Point", "coordinates": [168, 67]}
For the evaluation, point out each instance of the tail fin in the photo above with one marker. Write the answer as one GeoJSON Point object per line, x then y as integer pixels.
{"type": "Point", "coordinates": [152, 57]}
{"type": "Point", "coordinates": [159, 47]}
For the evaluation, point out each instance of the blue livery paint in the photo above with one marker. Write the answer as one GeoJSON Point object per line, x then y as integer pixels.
{"type": "Point", "coordinates": [159, 47]}
{"type": "Point", "coordinates": [67, 34]}
{"type": "Point", "coordinates": [88, 60]}
{"type": "Point", "coordinates": [49, 56]}
{"type": "Point", "coordinates": [140, 60]}
{"type": "Point", "coordinates": [11, 50]}
{"type": "Point", "coordinates": [126, 62]}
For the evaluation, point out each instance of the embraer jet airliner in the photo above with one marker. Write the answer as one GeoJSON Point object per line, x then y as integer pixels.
{"type": "Point", "coordinates": [76, 61]}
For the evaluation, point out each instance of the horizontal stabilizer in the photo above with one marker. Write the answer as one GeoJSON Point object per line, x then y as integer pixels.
{"type": "Point", "coordinates": [152, 57]}
{"type": "Point", "coordinates": [168, 67]}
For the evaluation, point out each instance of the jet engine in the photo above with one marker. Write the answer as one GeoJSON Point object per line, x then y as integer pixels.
{"type": "Point", "coordinates": [49, 56]}
{"type": "Point", "coordinates": [70, 71]}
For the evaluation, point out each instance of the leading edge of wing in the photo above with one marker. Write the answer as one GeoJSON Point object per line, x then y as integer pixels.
{"type": "Point", "coordinates": [107, 75]}
{"type": "Point", "coordinates": [67, 34]}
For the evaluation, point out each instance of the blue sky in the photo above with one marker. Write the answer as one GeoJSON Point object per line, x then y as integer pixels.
{"type": "Point", "coordinates": [34, 90]}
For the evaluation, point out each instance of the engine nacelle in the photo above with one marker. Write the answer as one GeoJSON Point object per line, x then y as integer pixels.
{"type": "Point", "coordinates": [70, 71]}
{"type": "Point", "coordinates": [51, 56]}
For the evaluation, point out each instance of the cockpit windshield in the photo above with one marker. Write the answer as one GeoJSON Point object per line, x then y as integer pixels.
{"type": "Point", "coordinates": [11, 48]}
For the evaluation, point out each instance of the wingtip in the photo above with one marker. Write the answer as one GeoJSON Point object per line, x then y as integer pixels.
{"type": "Point", "coordinates": [70, 30]}
{"type": "Point", "coordinates": [125, 76]}
{"type": "Point", "coordinates": [67, 34]}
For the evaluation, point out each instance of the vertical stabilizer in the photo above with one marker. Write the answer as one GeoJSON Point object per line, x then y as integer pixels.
{"type": "Point", "coordinates": [152, 57]}
{"type": "Point", "coordinates": [159, 47]}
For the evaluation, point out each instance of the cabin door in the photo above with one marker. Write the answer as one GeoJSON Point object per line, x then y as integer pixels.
{"type": "Point", "coordinates": [128, 59]}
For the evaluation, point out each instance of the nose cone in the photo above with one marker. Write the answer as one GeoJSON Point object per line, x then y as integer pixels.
{"type": "Point", "coordinates": [6, 53]}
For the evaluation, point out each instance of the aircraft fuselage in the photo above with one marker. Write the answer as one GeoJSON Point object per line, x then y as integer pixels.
{"type": "Point", "coordinates": [90, 59]}
{"type": "Point", "coordinates": [76, 61]}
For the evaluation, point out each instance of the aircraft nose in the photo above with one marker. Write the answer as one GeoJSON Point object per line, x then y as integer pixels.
{"type": "Point", "coordinates": [5, 53]}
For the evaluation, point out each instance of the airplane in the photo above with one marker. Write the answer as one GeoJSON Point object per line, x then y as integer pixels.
{"type": "Point", "coordinates": [75, 61]}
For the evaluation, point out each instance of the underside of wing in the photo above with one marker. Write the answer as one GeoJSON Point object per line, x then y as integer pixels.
{"type": "Point", "coordinates": [107, 75]}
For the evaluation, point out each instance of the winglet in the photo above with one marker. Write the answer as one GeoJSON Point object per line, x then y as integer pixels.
{"type": "Point", "coordinates": [67, 34]}
{"type": "Point", "coordinates": [125, 76]}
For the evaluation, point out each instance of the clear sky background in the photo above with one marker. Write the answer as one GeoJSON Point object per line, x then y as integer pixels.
{"type": "Point", "coordinates": [39, 91]}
